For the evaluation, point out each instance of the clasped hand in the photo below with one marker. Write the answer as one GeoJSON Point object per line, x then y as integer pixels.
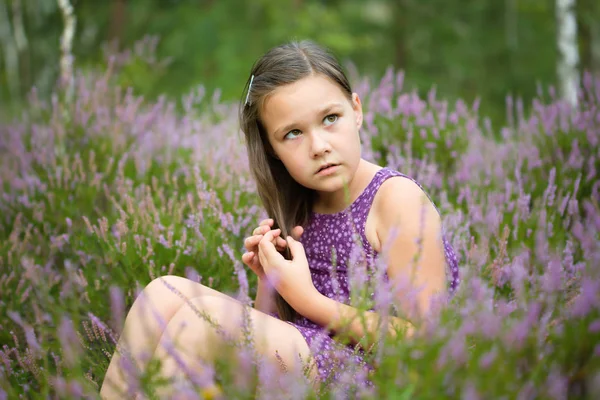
{"type": "Point", "coordinates": [291, 278]}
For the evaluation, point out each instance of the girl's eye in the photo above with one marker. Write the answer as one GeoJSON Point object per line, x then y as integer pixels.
{"type": "Point", "coordinates": [294, 132]}
{"type": "Point", "coordinates": [330, 119]}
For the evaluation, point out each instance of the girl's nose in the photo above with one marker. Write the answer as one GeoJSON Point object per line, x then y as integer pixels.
{"type": "Point", "coordinates": [319, 144]}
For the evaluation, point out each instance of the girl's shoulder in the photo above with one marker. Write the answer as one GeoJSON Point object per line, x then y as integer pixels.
{"type": "Point", "coordinates": [399, 192]}
{"type": "Point", "coordinates": [400, 198]}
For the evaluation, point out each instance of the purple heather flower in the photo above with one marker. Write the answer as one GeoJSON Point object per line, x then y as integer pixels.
{"type": "Point", "coordinates": [556, 385]}
{"type": "Point", "coordinates": [594, 326]}
{"type": "Point", "coordinates": [587, 299]}
{"type": "Point", "coordinates": [488, 358]}
{"type": "Point", "coordinates": [470, 392]}
{"type": "Point", "coordinates": [117, 305]}
{"type": "Point", "coordinates": [552, 280]}
{"type": "Point", "coordinates": [69, 341]}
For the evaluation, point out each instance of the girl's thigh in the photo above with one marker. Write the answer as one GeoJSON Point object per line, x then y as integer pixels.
{"type": "Point", "coordinates": [155, 306]}
{"type": "Point", "coordinates": [163, 296]}
{"type": "Point", "coordinates": [173, 286]}
{"type": "Point", "coordinates": [273, 338]}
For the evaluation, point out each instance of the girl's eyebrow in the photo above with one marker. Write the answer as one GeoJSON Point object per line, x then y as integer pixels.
{"type": "Point", "coordinates": [324, 110]}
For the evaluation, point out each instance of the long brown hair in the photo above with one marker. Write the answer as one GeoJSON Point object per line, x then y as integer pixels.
{"type": "Point", "coordinates": [285, 200]}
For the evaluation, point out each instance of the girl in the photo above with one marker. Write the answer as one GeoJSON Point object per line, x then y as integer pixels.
{"type": "Point", "coordinates": [301, 122]}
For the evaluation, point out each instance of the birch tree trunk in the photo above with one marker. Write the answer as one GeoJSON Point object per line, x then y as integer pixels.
{"type": "Point", "coordinates": [568, 60]}
{"type": "Point", "coordinates": [66, 43]}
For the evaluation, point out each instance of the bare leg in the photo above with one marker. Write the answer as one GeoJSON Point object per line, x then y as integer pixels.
{"type": "Point", "coordinates": [197, 340]}
{"type": "Point", "coordinates": [145, 323]}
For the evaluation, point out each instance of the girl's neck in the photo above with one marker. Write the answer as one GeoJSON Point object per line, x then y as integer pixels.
{"type": "Point", "coordinates": [334, 202]}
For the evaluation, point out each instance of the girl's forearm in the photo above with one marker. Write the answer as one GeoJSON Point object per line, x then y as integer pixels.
{"type": "Point", "coordinates": [264, 298]}
{"type": "Point", "coordinates": [344, 319]}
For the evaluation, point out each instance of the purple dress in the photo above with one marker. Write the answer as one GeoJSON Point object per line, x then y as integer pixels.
{"type": "Point", "coordinates": [324, 232]}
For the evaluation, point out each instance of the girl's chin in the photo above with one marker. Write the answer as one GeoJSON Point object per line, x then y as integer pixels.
{"type": "Point", "coordinates": [330, 187]}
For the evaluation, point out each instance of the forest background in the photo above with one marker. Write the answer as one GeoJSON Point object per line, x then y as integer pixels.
{"type": "Point", "coordinates": [485, 50]}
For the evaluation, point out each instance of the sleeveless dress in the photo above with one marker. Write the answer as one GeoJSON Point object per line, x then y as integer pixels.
{"type": "Point", "coordinates": [325, 232]}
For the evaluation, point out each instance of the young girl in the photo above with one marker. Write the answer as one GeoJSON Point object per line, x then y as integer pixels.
{"type": "Point", "coordinates": [301, 122]}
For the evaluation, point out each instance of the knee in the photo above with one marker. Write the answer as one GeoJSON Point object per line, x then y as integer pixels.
{"type": "Point", "coordinates": [168, 288]}
{"type": "Point", "coordinates": [162, 295]}
{"type": "Point", "coordinates": [162, 283]}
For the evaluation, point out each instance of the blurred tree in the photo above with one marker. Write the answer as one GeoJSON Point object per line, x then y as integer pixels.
{"type": "Point", "coordinates": [117, 20]}
{"type": "Point", "coordinates": [588, 15]}
{"type": "Point", "coordinates": [29, 52]}
{"type": "Point", "coordinates": [568, 62]}
{"type": "Point", "coordinates": [10, 53]}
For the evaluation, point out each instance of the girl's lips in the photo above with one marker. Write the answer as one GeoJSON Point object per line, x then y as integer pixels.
{"type": "Point", "coordinates": [328, 171]}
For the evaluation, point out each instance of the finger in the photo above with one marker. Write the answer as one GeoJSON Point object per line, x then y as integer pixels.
{"type": "Point", "coordinates": [276, 235]}
{"type": "Point", "coordinates": [262, 229]}
{"type": "Point", "coordinates": [268, 221]}
{"type": "Point", "coordinates": [267, 237]}
{"type": "Point", "coordinates": [248, 243]}
{"type": "Point", "coordinates": [251, 242]}
{"type": "Point", "coordinates": [296, 249]}
{"type": "Point", "coordinates": [264, 226]}
{"type": "Point", "coordinates": [262, 254]}
{"type": "Point", "coordinates": [266, 246]}
{"type": "Point", "coordinates": [247, 258]}
{"type": "Point", "coordinates": [297, 232]}
{"type": "Point", "coordinates": [256, 263]}
{"type": "Point", "coordinates": [280, 242]}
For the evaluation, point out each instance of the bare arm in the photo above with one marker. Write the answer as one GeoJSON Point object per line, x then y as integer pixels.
{"type": "Point", "coordinates": [423, 262]}
{"type": "Point", "coordinates": [264, 298]}
{"type": "Point", "coordinates": [346, 320]}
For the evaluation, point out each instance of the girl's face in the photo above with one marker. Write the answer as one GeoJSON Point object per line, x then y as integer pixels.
{"type": "Point", "coordinates": [311, 123]}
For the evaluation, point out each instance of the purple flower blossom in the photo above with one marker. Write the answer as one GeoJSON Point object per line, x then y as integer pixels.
{"type": "Point", "coordinates": [594, 326]}
{"type": "Point", "coordinates": [117, 304]}
{"type": "Point", "coordinates": [470, 393]}
{"type": "Point", "coordinates": [488, 358]}
{"type": "Point", "coordinates": [556, 385]}
{"type": "Point", "coordinates": [69, 341]}
{"type": "Point", "coordinates": [540, 182]}
{"type": "Point", "coordinates": [552, 280]}
{"type": "Point", "coordinates": [587, 299]}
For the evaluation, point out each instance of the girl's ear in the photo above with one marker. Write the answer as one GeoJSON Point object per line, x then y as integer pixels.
{"type": "Point", "coordinates": [357, 107]}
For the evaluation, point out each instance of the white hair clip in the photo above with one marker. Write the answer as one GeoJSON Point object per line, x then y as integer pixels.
{"type": "Point", "coordinates": [249, 88]}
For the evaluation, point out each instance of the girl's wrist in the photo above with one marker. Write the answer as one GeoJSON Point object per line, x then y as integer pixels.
{"type": "Point", "coordinates": [262, 282]}
{"type": "Point", "coordinates": [263, 286]}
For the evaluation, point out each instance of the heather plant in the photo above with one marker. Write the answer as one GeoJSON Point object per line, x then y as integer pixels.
{"type": "Point", "coordinates": [408, 132]}
{"type": "Point", "coordinates": [105, 191]}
